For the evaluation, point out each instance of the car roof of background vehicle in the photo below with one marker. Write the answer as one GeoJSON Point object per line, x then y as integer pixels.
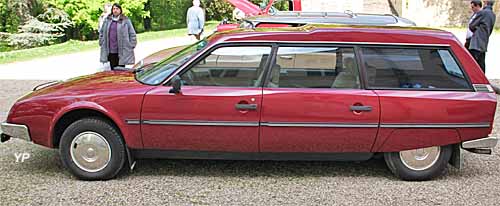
{"type": "Point", "coordinates": [247, 7]}
{"type": "Point", "coordinates": [349, 18]}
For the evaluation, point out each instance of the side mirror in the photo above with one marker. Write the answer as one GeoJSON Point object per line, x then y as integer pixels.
{"type": "Point", "coordinates": [176, 85]}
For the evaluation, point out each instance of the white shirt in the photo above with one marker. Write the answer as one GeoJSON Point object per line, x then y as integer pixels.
{"type": "Point", "coordinates": [469, 32]}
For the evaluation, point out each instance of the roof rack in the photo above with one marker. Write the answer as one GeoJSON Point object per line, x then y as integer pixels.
{"type": "Point", "coordinates": [346, 17]}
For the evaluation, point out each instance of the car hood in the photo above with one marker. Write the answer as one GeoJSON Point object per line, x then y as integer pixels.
{"type": "Point", "coordinates": [102, 81]}
{"type": "Point", "coordinates": [246, 6]}
{"type": "Point", "coordinates": [160, 55]}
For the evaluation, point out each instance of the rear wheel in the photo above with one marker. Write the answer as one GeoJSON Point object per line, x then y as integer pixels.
{"type": "Point", "coordinates": [419, 164]}
{"type": "Point", "coordinates": [92, 149]}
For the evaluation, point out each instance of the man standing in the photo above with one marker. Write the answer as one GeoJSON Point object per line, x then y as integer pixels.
{"type": "Point", "coordinates": [475, 6]}
{"type": "Point", "coordinates": [481, 27]}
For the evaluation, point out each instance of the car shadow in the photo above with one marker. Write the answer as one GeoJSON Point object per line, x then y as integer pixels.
{"type": "Point", "coordinates": [227, 168]}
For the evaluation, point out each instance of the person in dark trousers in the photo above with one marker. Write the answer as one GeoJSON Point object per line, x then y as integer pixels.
{"type": "Point", "coordinates": [117, 39]}
{"type": "Point", "coordinates": [481, 27]}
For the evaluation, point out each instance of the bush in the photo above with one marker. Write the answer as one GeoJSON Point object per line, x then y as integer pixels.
{"type": "Point", "coordinates": [85, 14]}
{"type": "Point", "coordinates": [41, 31]}
{"type": "Point", "coordinates": [168, 14]}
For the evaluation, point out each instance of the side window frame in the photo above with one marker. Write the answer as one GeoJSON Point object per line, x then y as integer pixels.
{"type": "Point", "coordinates": [364, 70]}
{"type": "Point", "coordinates": [209, 51]}
{"type": "Point", "coordinates": [315, 44]}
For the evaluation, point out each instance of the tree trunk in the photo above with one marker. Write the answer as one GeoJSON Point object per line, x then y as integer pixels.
{"type": "Point", "coordinates": [147, 20]}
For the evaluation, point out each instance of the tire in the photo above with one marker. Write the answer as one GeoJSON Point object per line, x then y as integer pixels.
{"type": "Point", "coordinates": [92, 149]}
{"type": "Point", "coordinates": [419, 165]}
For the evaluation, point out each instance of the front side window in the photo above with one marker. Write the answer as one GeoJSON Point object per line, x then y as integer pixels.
{"type": "Point", "coordinates": [412, 68]}
{"type": "Point", "coordinates": [315, 67]}
{"type": "Point", "coordinates": [229, 67]}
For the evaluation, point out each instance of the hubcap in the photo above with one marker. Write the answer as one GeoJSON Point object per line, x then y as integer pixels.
{"type": "Point", "coordinates": [420, 159]}
{"type": "Point", "coordinates": [90, 151]}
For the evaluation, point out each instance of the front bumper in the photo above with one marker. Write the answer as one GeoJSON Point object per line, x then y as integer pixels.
{"type": "Point", "coordinates": [16, 131]}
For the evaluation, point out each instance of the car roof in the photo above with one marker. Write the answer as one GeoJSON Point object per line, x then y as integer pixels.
{"type": "Point", "coordinates": [348, 18]}
{"type": "Point", "coordinates": [339, 33]}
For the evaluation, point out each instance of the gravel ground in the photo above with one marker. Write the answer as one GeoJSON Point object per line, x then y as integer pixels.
{"type": "Point", "coordinates": [42, 179]}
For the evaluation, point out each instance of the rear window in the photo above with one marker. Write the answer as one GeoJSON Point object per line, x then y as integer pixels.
{"type": "Point", "coordinates": [413, 68]}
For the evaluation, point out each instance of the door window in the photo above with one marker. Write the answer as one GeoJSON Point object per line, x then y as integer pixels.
{"type": "Point", "coordinates": [415, 68]}
{"type": "Point", "coordinates": [229, 67]}
{"type": "Point", "coordinates": [315, 67]}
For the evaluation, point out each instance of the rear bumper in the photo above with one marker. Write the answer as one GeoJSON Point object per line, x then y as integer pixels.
{"type": "Point", "coordinates": [483, 143]}
{"type": "Point", "coordinates": [15, 131]}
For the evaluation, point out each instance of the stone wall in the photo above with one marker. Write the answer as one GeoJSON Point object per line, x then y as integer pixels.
{"type": "Point", "coordinates": [433, 13]}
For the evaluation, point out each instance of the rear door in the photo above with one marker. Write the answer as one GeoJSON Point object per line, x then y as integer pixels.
{"type": "Point", "coordinates": [313, 102]}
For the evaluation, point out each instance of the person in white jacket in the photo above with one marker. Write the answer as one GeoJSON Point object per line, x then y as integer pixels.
{"type": "Point", "coordinates": [195, 20]}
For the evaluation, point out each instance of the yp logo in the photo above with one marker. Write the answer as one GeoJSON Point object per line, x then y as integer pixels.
{"type": "Point", "coordinates": [21, 157]}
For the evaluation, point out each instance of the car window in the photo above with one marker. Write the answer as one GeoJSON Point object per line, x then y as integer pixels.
{"type": "Point", "coordinates": [415, 68]}
{"type": "Point", "coordinates": [229, 67]}
{"type": "Point", "coordinates": [157, 73]}
{"type": "Point", "coordinates": [315, 67]}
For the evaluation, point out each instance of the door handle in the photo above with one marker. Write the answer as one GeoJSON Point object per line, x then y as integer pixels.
{"type": "Point", "coordinates": [246, 106]}
{"type": "Point", "coordinates": [361, 108]}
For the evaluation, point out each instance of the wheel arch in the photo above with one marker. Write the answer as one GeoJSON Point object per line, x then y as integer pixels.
{"type": "Point", "coordinates": [71, 116]}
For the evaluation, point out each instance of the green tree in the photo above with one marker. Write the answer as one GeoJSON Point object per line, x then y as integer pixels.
{"type": "Point", "coordinates": [85, 14]}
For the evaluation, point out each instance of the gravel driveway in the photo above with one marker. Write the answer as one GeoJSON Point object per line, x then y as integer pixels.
{"type": "Point", "coordinates": [41, 179]}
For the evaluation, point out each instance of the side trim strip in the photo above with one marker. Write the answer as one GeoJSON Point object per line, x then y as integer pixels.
{"type": "Point", "coordinates": [304, 124]}
{"type": "Point", "coordinates": [201, 123]}
{"type": "Point", "coordinates": [464, 125]}
{"type": "Point", "coordinates": [318, 124]}
{"type": "Point", "coordinates": [133, 121]}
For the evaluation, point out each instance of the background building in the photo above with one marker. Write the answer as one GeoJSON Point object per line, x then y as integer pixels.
{"type": "Point", "coordinates": [434, 13]}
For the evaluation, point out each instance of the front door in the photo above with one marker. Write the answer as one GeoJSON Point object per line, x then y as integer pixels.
{"type": "Point", "coordinates": [218, 107]}
{"type": "Point", "coordinates": [313, 103]}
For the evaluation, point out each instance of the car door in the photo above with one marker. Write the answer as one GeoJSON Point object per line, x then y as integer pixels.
{"type": "Point", "coordinates": [218, 107]}
{"type": "Point", "coordinates": [313, 102]}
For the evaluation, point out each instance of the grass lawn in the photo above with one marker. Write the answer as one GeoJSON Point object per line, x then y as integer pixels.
{"type": "Point", "coordinates": [74, 46]}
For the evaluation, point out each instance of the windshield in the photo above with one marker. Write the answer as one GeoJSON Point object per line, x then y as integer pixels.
{"type": "Point", "coordinates": [156, 74]}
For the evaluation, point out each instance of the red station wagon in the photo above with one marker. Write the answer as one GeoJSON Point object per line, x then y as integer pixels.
{"type": "Point", "coordinates": [347, 93]}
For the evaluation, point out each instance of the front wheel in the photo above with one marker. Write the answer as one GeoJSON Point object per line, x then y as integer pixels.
{"type": "Point", "coordinates": [419, 164]}
{"type": "Point", "coordinates": [92, 149]}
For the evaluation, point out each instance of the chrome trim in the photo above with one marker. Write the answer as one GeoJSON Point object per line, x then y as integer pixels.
{"type": "Point", "coordinates": [483, 143]}
{"type": "Point", "coordinates": [46, 84]}
{"type": "Point", "coordinates": [420, 159]}
{"type": "Point", "coordinates": [90, 151]}
{"type": "Point", "coordinates": [318, 124]}
{"type": "Point", "coordinates": [483, 88]}
{"type": "Point", "coordinates": [340, 42]}
{"type": "Point", "coordinates": [133, 121]}
{"type": "Point", "coordinates": [202, 123]}
{"type": "Point", "coordinates": [16, 131]}
{"type": "Point", "coordinates": [464, 125]}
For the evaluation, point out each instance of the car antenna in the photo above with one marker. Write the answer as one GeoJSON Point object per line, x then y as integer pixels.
{"type": "Point", "coordinates": [350, 13]}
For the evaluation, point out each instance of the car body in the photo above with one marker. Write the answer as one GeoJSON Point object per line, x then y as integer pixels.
{"type": "Point", "coordinates": [317, 92]}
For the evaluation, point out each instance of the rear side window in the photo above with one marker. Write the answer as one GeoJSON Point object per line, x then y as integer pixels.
{"type": "Point", "coordinates": [315, 67]}
{"type": "Point", "coordinates": [415, 68]}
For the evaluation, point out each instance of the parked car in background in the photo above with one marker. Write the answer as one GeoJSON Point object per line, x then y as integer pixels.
{"type": "Point", "coordinates": [350, 93]}
{"type": "Point", "coordinates": [295, 17]}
